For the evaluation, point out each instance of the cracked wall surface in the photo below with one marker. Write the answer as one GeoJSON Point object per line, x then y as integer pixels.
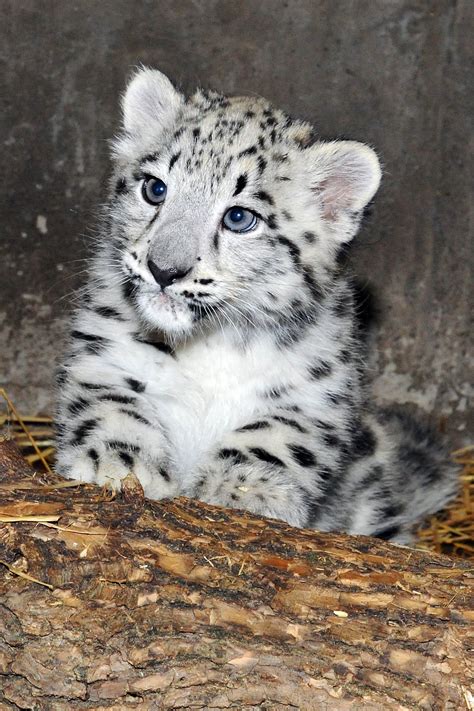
{"type": "Point", "coordinates": [395, 74]}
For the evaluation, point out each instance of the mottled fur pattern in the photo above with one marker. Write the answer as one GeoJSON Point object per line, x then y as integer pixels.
{"type": "Point", "coordinates": [241, 382]}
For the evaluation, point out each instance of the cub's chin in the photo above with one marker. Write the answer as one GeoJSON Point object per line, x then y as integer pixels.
{"type": "Point", "coordinates": [164, 313]}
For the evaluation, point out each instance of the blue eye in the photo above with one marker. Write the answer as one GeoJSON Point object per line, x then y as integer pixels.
{"type": "Point", "coordinates": [153, 190]}
{"type": "Point", "coordinates": [238, 219]}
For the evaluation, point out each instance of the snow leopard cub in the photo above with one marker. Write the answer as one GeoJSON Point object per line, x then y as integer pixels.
{"type": "Point", "coordinates": [216, 351]}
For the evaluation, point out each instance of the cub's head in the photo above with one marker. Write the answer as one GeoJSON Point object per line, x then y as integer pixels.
{"type": "Point", "coordinates": [225, 212]}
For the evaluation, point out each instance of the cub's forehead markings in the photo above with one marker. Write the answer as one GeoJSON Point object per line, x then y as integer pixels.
{"type": "Point", "coordinates": [174, 158]}
{"type": "Point", "coordinates": [262, 164]}
{"type": "Point", "coordinates": [150, 157]}
{"type": "Point", "coordinates": [241, 183]}
{"type": "Point", "coordinates": [247, 152]}
{"type": "Point", "coordinates": [178, 133]}
{"type": "Point", "coordinates": [263, 196]}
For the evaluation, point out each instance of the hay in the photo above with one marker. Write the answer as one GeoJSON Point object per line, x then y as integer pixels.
{"type": "Point", "coordinates": [450, 532]}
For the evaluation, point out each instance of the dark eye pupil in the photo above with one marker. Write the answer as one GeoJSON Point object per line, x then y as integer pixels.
{"type": "Point", "coordinates": [158, 187]}
{"type": "Point", "coordinates": [236, 215]}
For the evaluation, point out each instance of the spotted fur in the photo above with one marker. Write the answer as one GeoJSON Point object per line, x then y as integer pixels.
{"type": "Point", "coordinates": [240, 383]}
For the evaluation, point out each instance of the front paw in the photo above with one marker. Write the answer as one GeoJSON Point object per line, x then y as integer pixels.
{"type": "Point", "coordinates": [108, 465]}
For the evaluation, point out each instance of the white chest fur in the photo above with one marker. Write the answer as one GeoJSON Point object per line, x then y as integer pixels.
{"type": "Point", "coordinates": [211, 388]}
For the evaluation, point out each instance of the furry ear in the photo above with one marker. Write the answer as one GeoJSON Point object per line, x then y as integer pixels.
{"type": "Point", "coordinates": [344, 177]}
{"type": "Point", "coordinates": [150, 101]}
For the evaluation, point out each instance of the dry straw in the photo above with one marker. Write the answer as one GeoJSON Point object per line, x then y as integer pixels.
{"type": "Point", "coordinates": [450, 532]}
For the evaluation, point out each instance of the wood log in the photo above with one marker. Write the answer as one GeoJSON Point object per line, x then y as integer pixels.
{"type": "Point", "coordinates": [119, 602]}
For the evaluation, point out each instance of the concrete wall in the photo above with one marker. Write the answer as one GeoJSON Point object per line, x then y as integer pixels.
{"type": "Point", "coordinates": [394, 73]}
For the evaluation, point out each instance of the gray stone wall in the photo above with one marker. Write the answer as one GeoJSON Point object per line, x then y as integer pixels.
{"type": "Point", "coordinates": [394, 73]}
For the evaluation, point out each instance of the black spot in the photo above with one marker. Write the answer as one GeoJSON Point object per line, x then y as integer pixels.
{"type": "Point", "coordinates": [109, 312]}
{"type": "Point", "coordinates": [94, 344]}
{"type": "Point", "coordinates": [287, 215]}
{"type": "Point", "coordinates": [206, 281]}
{"type": "Point", "coordinates": [387, 533]}
{"type": "Point", "coordinates": [112, 397]}
{"type": "Point", "coordinates": [336, 398]}
{"type": "Point", "coordinates": [136, 385]}
{"type": "Point", "coordinates": [323, 425]}
{"type": "Point", "coordinates": [320, 370]}
{"type": "Point", "coordinates": [173, 160]}
{"type": "Point", "coordinates": [272, 222]}
{"type": "Point", "coordinates": [293, 249]}
{"type": "Point", "coordinates": [276, 392]}
{"type": "Point", "coordinates": [264, 196]}
{"type": "Point", "coordinates": [315, 289]}
{"type": "Point", "coordinates": [74, 408]}
{"type": "Point", "coordinates": [83, 430]}
{"type": "Point", "coordinates": [363, 442]}
{"type": "Point", "coordinates": [202, 294]}
{"type": "Point", "coordinates": [94, 386]}
{"type": "Point", "coordinates": [92, 454]}
{"type": "Point", "coordinates": [247, 152]}
{"type": "Point", "coordinates": [61, 376]}
{"type": "Point", "coordinates": [118, 445]}
{"type": "Point", "coordinates": [159, 345]}
{"type": "Point", "coordinates": [261, 165]}
{"type": "Point", "coordinates": [196, 132]}
{"type": "Point", "coordinates": [291, 423]}
{"type": "Point", "coordinates": [164, 474]}
{"type": "Point", "coordinates": [126, 458]}
{"type": "Point", "coordinates": [331, 440]}
{"type": "Point", "coordinates": [135, 415]}
{"type": "Point", "coordinates": [325, 474]}
{"type": "Point", "coordinates": [241, 183]}
{"type": "Point", "coordinates": [345, 356]}
{"type": "Point", "coordinates": [216, 241]}
{"type": "Point", "coordinates": [302, 455]}
{"type": "Point", "coordinates": [249, 114]}
{"type": "Point", "coordinates": [235, 454]}
{"type": "Point", "coordinates": [260, 425]}
{"type": "Point", "coordinates": [309, 237]}
{"type": "Point", "coordinates": [150, 157]}
{"type": "Point", "coordinates": [265, 456]}
{"type": "Point", "coordinates": [121, 186]}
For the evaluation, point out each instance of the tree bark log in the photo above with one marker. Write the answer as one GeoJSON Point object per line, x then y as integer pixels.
{"type": "Point", "coordinates": [117, 603]}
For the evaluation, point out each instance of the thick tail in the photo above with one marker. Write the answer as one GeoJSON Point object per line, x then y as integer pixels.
{"type": "Point", "coordinates": [408, 477]}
